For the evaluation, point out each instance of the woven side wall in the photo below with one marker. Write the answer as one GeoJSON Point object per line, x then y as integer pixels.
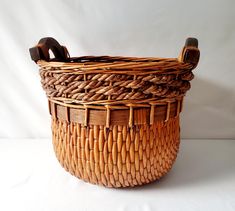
{"type": "Point", "coordinates": [118, 156]}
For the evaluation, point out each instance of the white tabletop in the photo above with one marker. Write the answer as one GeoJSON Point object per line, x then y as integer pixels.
{"type": "Point", "coordinates": [203, 178]}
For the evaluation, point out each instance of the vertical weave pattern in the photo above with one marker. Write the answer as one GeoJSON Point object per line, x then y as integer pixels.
{"type": "Point", "coordinates": [119, 156]}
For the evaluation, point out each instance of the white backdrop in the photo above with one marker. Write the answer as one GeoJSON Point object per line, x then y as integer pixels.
{"type": "Point", "coordinates": [119, 27]}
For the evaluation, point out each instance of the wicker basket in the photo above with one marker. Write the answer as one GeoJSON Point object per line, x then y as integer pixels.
{"type": "Point", "coordinates": [115, 120]}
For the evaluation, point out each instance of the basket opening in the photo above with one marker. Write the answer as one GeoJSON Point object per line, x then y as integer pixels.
{"type": "Point", "coordinates": [115, 59]}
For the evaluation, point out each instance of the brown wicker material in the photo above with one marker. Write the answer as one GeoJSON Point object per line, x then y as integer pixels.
{"type": "Point", "coordinates": [121, 157]}
{"type": "Point", "coordinates": [115, 120]}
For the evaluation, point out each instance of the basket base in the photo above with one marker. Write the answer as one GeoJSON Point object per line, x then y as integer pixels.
{"type": "Point", "coordinates": [119, 156]}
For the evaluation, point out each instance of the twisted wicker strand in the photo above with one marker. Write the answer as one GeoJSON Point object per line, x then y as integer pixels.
{"type": "Point", "coordinates": [112, 86]}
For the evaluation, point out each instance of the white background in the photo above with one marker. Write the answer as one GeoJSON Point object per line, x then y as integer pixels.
{"type": "Point", "coordinates": [203, 177]}
{"type": "Point", "coordinates": [119, 27]}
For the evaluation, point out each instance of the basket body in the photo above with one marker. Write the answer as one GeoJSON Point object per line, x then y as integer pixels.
{"type": "Point", "coordinates": [115, 120]}
{"type": "Point", "coordinates": [117, 155]}
{"type": "Point", "coordinates": [122, 156]}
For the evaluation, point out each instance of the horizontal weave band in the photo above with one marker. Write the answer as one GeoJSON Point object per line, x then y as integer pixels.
{"type": "Point", "coordinates": [107, 116]}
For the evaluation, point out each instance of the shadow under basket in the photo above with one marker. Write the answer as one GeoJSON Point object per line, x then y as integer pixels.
{"type": "Point", "coordinates": [115, 120]}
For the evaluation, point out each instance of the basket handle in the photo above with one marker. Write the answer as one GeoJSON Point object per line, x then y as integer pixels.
{"type": "Point", "coordinates": [190, 52]}
{"type": "Point", "coordinates": [41, 50]}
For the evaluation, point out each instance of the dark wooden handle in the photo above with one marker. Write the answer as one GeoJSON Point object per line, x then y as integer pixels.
{"type": "Point", "coordinates": [190, 53]}
{"type": "Point", "coordinates": [41, 50]}
{"type": "Point", "coordinates": [191, 41]}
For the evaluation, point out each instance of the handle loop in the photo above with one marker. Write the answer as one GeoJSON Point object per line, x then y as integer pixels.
{"type": "Point", "coordinates": [190, 52]}
{"type": "Point", "coordinates": [41, 50]}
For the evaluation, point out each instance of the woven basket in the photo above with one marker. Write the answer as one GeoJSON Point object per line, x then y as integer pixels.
{"type": "Point", "coordinates": [115, 120]}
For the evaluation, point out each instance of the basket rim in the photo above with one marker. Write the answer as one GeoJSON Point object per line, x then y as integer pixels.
{"type": "Point", "coordinates": [190, 54]}
{"type": "Point", "coordinates": [122, 65]}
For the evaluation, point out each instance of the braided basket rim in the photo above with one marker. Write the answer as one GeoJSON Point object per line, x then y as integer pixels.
{"type": "Point", "coordinates": [109, 80]}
